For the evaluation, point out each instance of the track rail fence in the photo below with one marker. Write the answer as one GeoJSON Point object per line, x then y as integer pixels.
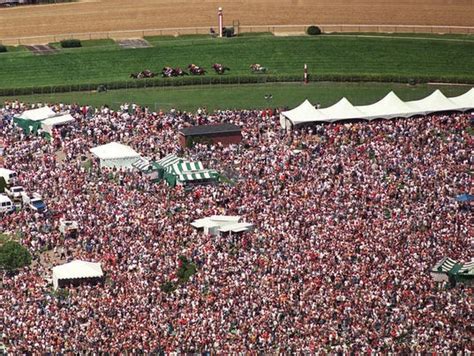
{"type": "Point", "coordinates": [276, 29]}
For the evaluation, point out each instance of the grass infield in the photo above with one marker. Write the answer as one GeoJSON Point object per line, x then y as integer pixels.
{"type": "Point", "coordinates": [347, 57]}
{"type": "Point", "coordinates": [244, 96]}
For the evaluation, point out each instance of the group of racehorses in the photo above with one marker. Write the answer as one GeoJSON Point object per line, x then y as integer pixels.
{"type": "Point", "coordinates": [168, 72]}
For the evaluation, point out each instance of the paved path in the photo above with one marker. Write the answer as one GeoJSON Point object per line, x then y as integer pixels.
{"type": "Point", "coordinates": [133, 43]}
{"type": "Point", "coordinates": [42, 49]}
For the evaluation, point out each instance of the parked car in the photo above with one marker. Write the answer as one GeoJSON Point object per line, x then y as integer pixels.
{"type": "Point", "coordinates": [34, 202]}
{"type": "Point", "coordinates": [14, 192]}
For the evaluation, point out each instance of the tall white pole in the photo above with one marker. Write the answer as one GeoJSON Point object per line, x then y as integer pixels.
{"type": "Point", "coordinates": [221, 21]}
{"type": "Point", "coordinates": [305, 73]}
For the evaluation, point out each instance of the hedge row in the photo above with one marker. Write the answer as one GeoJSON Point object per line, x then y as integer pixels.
{"type": "Point", "coordinates": [228, 79]}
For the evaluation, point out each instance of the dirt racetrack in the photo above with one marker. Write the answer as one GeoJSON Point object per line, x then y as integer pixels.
{"type": "Point", "coordinates": [110, 15]}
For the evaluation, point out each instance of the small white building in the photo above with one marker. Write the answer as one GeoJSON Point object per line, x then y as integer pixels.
{"type": "Point", "coordinates": [116, 155]}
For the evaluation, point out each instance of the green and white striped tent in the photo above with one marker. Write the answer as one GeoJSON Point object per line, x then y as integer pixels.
{"type": "Point", "coordinates": [444, 268]}
{"type": "Point", "coordinates": [168, 161]}
{"type": "Point", "coordinates": [191, 171]}
{"type": "Point", "coordinates": [185, 166]}
{"type": "Point", "coordinates": [142, 164]}
{"type": "Point", "coordinates": [466, 272]}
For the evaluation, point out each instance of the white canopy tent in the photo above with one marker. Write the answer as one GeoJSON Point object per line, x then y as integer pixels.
{"type": "Point", "coordinates": [76, 270]}
{"type": "Point", "coordinates": [115, 154]}
{"type": "Point", "coordinates": [238, 227]}
{"type": "Point", "coordinates": [434, 102]}
{"type": "Point", "coordinates": [303, 113]}
{"type": "Point", "coordinates": [52, 122]}
{"type": "Point", "coordinates": [389, 107]}
{"type": "Point", "coordinates": [214, 224]}
{"type": "Point", "coordinates": [37, 114]}
{"type": "Point", "coordinates": [342, 110]}
{"type": "Point", "coordinates": [465, 101]}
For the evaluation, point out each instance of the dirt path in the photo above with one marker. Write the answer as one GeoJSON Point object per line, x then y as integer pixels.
{"type": "Point", "coordinates": [110, 15]}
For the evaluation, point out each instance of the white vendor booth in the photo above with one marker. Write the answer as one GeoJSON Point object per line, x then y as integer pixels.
{"type": "Point", "coordinates": [77, 272]}
{"type": "Point", "coordinates": [116, 155]}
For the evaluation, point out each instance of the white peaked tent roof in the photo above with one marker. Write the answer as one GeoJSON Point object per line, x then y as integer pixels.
{"type": "Point", "coordinates": [342, 110]}
{"type": "Point", "coordinates": [434, 102]}
{"type": "Point", "coordinates": [114, 150]}
{"type": "Point", "coordinates": [58, 120]}
{"type": "Point", "coordinates": [465, 101]}
{"type": "Point", "coordinates": [305, 112]}
{"type": "Point", "coordinates": [38, 114]}
{"type": "Point", "coordinates": [388, 107]}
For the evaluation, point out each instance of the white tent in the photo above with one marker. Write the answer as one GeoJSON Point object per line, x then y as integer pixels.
{"type": "Point", "coordinates": [342, 110]}
{"type": "Point", "coordinates": [465, 101]}
{"type": "Point", "coordinates": [38, 114]}
{"type": "Point", "coordinates": [387, 108]}
{"type": "Point", "coordinates": [434, 102]}
{"type": "Point", "coordinates": [76, 270]}
{"type": "Point", "coordinates": [50, 123]}
{"type": "Point", "coordinates": [115, 154]}
{"type": "Point", "coordinates": [212, 225]}
{"type": "Point", "coordinates": [238, 227]}
{"type": "Point", "coordinates": [306, 112]}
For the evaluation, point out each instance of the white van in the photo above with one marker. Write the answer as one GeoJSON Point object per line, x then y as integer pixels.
{"type": "Point", "coordinates": [6, 205]}
{"type": "Point", "coordinates": [9, 176]}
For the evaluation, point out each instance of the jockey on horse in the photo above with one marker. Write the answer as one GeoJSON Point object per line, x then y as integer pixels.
{"type": "Point", "coordinates": [167, 72]}
{"type": "Point", "coordinates": [219, 68]}
{"type": "Point", "coordinates": [194, 69]}
{"type": "Point", "coordinates": [257, 68]}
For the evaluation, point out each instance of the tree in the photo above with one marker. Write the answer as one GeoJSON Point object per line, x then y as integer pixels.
{"type": "Point", "coordinates": [3, 184]}
{"type": "Point", "coordinates": [13, 256]}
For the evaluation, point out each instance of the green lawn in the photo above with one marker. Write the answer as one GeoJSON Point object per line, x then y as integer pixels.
{"type": "Point", "coordinates": [245, 96]}
{"type": "Point", "coordinates": [421, 36]}
{"type": "Point", "coordinates": [325, 55]}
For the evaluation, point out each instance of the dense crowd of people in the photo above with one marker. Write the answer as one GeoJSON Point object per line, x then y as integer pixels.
{"type": "Point", "coordinates": [350, 217]}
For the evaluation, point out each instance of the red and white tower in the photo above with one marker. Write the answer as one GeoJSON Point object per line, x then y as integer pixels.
{"type": "Point", "coordinates": [220, 18]}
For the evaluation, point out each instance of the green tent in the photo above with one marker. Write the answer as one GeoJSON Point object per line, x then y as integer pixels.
{"type": "Point", "coordinates": [466, 272]}
{"type": "Point", "coordinates": [28, 126]}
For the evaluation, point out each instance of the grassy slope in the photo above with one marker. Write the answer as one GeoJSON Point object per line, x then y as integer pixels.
{"type": "Point", "coordinates": [245, 96]}
{"type": "Point", "coordinates": [283, 55]}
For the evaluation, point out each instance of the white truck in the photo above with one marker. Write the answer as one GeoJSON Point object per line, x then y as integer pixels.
{"type": "Point", "coordinates": [9, 176]}
{"type": "Point", "coordinates": [6, 205]}
{"type": "Point", "coordinates": [34, 202]}
{"type": "Point", "coordinates": [14, 192]}
{"type": "Point", "coordinates": [68, 228]}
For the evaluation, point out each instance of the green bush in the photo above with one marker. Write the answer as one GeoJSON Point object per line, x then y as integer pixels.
{"type": "Point", "coordinates": [3, 48]}
{"type": "Point", "coordinates": [72, 43]}
{"type": "Point", "coordinates": [3, 184]}
{"type": "Point", "coordinates": [313, 30]}
{"type": "Point", "coordinates": [14, 256]}
{"type": "Point", "coordinates": [186, 270]}
{"type": "Point", "coordinates": [168, 287]}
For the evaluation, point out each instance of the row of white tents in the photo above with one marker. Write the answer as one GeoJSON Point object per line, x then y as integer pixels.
{"type": "Point", "coordinates": [389, 107]}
